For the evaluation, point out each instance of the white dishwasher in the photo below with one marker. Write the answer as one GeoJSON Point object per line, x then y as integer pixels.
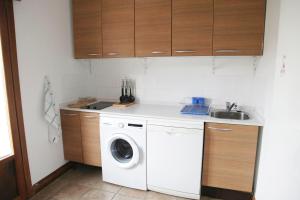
{"type": "Point", "coordinates": [174, 157]}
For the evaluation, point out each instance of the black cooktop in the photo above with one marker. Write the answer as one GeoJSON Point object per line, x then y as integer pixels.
{"type": "Point", "coordinates": [98, 106]}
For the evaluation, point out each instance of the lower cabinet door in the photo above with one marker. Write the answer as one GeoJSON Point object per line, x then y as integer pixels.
{"type": "Point", "coordinates": [90, 132]}
{"type": "Point", "coordinates": [71, 133]}
{"type": "Point", "coordinates": [229, 156]}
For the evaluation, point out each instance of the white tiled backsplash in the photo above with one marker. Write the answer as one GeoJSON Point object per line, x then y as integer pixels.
{"type": "Point", "coordinates": [172, 80]}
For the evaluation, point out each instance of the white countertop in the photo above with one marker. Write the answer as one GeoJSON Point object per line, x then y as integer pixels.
{"type": "Point", "coordinates": [167, 112]}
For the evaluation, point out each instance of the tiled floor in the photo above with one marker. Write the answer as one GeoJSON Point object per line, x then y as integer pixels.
{"type": "Point", "coordinates": [85, 183]}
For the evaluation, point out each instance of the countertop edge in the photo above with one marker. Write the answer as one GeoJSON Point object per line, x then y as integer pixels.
{"type": "Point", "coordinates": [255, 121]}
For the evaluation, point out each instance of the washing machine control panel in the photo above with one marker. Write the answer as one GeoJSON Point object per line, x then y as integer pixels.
{"type": "Point", "coordinates": [123, 124]}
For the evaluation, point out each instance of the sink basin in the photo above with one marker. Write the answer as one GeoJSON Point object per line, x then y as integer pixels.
{"type": "Point", "coordinates": [222, 114]}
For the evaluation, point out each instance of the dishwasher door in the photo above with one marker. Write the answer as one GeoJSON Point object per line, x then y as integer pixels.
{"type": "Point", "coordinates": [174, 160]}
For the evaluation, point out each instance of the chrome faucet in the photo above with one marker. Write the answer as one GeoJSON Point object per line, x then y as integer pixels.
{"type": "Point", "coordinates": [230, 106]}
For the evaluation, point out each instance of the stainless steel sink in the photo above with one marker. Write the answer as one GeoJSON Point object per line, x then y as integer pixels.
{"type": "Point", "coordinates": [223, 114]}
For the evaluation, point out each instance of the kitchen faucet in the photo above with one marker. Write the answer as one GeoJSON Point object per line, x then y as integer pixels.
{"type": "Point", "coordinates": [230, 106]}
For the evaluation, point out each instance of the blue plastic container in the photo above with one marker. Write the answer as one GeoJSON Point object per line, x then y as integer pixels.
{"type": "Point", "coordinates": [198, 101]}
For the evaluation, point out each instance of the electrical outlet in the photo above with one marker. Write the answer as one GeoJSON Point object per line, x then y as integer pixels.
{"type": "Point", "coordinates": [283, 66]}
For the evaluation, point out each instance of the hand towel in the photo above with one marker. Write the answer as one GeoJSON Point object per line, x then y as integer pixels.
{"type": "Point", "coordinates": [50, 113]}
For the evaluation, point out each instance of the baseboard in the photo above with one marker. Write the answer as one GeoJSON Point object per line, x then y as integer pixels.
{"type": "Point", "coordinates": [225, 194]}
{"type": "Point", "coordinates": [51, 177]}
{"type": "Point", "coordinates": [173, 192]}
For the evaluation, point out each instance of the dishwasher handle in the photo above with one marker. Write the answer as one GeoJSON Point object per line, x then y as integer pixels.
{"type": "Point", "coordinates": [173, 130]}
{"type": "Point", "coordinates": [172, 133]}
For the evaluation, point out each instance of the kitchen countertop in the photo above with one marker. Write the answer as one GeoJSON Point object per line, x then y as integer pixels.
{"type": "Point", "coordinates": [167, 112]}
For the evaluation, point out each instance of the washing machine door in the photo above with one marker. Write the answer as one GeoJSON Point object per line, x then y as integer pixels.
{"type": "Point", "coordinates": [123, 151]}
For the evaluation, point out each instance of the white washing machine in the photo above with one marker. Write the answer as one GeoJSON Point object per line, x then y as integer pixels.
{"type": "Point", "coordinates": [123, 151]}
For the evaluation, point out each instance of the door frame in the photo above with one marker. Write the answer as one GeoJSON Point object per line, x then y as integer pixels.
{"type": "Point", "coordinates": [8, 40]}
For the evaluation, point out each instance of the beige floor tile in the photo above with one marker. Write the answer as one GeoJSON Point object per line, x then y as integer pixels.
{"type": "Point", "coordinates": [96, 182]}
{"type": "Point", "coordinates": [88, 180]}
{"type": "Point", "coordinates": [40, 196]}
{"type": "Point", "coordinates": [85, 183]}
{"type": "Point", "coordinates": [71, 192]}
{"type": "Point", "coordinates": [122, 197]}
{"type": "Point", "coordinates": [128, 192]}
{"type": "Point", "coordinates": [159, 196]}
{"type": "Point", "coordinates": [96, 194]}
{"type": "Point", "coordinates": [50, 190]}
{"type": "Point", "coordinates": [108, 187]}
{"type": "Point", "coordinates": [70, 176]}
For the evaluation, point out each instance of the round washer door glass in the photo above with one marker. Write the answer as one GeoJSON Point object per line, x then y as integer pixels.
{"type": "Point", "coordinates": [124, 151]}
{"type": "Point", "coordinates": [121, 150]}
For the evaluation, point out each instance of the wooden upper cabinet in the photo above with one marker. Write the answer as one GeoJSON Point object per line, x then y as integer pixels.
{"type": "Point", "coordinates": [90, 133]}
{"type": "Point", "coordinates": [229, 156]}
{"type": "Point", "coordinates": [71, 133]}
{"type": "Point", "coordinates": [153, 28]}
{"type": "Point", "coordinates": [87, 29]}
{"type": "Point", "coordinates": [239, 27]}
{"type": "Point", "coordinates": [192, 27]}
{"type": "Point", "coordinates": [148, 28]}
{"type": "Point", "coordinates": [118, 28]}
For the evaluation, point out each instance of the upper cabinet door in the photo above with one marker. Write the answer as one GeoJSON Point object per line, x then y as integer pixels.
{"type": "Point", "coordinates": [239, 27]}
{"type": "Point", "coordinates": [192, 27]}
{"type": "Point", "coordinates": [118, 28]}
{"type": "Point", "coordinates": [153, 28]}
{"type": "Point", "coordinates": [87, 28]}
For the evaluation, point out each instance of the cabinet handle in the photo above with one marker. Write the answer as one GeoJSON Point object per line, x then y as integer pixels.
{"type": "Point", "coordinates": [172, 133]}
{"type": "Point", "coordinates": [90, 117]}
{"type": "Point", "coordinates": [157, 52]}
{"type": "Point", "coordinates": [113, 54]}
{"type": "Point", "coordinates": [220, 129]}
{"type": "Point", "coordinates": [93, 54]}
{"type": "Point", "coordinates": [227, 51]}
{"type": "Point", "coordinates": [70, 115]}
{"type": "Point", "coordinates": [185, 51]}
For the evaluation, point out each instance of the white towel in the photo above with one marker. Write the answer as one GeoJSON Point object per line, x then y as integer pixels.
{"type": "Point", "coordinates": [50, 113]}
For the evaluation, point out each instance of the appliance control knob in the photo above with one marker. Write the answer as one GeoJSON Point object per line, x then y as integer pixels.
{"type": "Point", "coordinates": [121, 125]}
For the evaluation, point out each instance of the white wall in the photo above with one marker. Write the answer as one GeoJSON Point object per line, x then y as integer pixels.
{"type": "Point", "coordinates": [44, 44]}
{"type": "Point", "coordinates": [279, 174]}
{"type": "Point", "coordinates": [264, 79]}
{"type": "Point", "coordinates": [170, 80]}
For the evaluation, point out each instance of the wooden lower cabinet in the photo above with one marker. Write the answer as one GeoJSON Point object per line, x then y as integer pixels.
{"type": "Point", "coordinates": [81, 137]}
{"type": "Point", "coordinates": [71, 132]}
{"type": "Point", "coordinates": [90, 138]}
{"type": "Point", "coordinates": [230, 156]}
